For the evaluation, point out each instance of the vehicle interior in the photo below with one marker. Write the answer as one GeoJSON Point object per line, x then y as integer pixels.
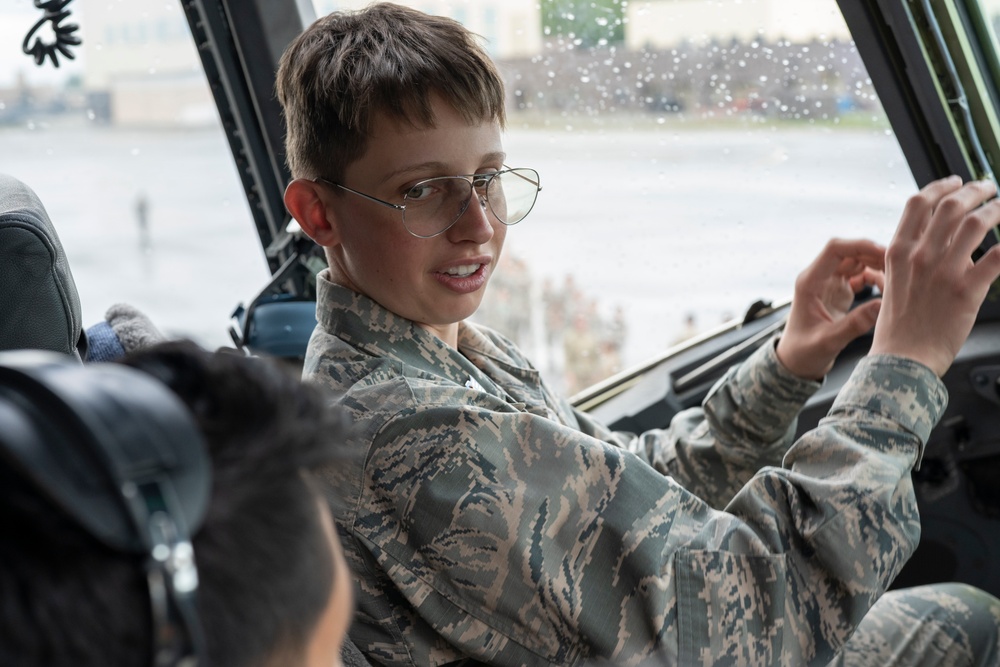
{"type": "Point", "coordinates": [930, 68]}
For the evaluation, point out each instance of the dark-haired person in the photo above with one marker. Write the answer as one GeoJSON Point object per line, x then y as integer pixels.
{"type": "Point", "coordinates": [490, 522]}
{"type": "Point", "coordinates": [273, 589]}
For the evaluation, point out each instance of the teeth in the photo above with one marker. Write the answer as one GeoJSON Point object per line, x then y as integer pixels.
{"type": "Point", "coordinates": [464, 270]}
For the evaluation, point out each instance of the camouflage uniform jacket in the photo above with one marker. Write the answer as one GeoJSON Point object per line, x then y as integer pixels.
{"type": "Point", "coordinates": [487, 521]}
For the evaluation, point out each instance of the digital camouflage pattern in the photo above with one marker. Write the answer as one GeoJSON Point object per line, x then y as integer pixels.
{"type": "Point", "coordinates": [488, 521]}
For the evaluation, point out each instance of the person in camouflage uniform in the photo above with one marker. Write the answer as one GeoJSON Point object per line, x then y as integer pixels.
{"type": "Point", "coordinates": [487, 521]}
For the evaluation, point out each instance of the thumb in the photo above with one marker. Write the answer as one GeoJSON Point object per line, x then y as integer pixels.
{"type": "Point", "coordinates": [858, 321]}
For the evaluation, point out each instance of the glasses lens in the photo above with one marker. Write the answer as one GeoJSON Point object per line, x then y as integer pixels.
{"type": "Point", "coordinates": [512, 194]}
{"type": "Point", "coordinates": [432, 206]}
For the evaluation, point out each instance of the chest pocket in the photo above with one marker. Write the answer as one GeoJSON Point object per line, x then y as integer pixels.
{"type": "Point", "coordinates": [730, 608]}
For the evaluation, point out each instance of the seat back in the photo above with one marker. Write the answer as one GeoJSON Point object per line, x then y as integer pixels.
{"type": "Point", "coordinates": [39, 303]}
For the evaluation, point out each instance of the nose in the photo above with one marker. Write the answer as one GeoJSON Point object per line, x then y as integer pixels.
{"type": "Point", "coordinates": [475, 224]}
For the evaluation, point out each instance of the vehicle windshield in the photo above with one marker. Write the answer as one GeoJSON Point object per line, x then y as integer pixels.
{"type": "Point", "coordinates": [694, 155]}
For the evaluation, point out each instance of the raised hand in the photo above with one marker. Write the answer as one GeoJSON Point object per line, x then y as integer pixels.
{"type": "Point", "coordinates": [821, 323]}
{"type": "Point", "coordinates": [933, 289]}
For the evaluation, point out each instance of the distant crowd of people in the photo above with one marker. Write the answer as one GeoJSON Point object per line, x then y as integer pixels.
{"type": "Point", "coordinates": [575, 341]}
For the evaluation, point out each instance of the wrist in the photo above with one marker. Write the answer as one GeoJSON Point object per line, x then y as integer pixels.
{"type": "Point", "coordinates": [798, 364]}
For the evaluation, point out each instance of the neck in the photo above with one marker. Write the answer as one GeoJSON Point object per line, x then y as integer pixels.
{"type": "Point", "coordinates": [448, 333]}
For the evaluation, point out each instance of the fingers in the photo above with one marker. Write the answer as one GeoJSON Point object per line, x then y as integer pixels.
{"type": "Point", "coordinates": [934, 289]}
{"type": "Point", "coordinates": [841, 257]}
{"type": "Point", "coordinates": [920, 206]}
{"type": "Point", "coordinates": [987, 269]}
{"type": "Point", "coordinates": [957, 206]}
{"type": "Point", "coordinates": [971, 233]}
{"type": "Point", "coordinates": [867, 278]}
{"type": "Point", "coordinates": [860, 320]}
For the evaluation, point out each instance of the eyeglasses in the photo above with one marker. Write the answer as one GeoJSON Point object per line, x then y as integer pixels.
{"type": "Point", "coordinates": [430, 207]}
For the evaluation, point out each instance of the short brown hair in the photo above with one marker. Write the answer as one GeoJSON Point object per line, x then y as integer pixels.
{"type": "Point", "coordinates": [348, 67]}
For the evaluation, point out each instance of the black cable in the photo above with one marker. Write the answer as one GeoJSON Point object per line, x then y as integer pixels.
{"type": "Point", "coordinates": [55, 12]}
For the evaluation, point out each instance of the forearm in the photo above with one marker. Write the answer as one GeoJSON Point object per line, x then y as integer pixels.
{"type": "Point", "coordinates": [747, 421]}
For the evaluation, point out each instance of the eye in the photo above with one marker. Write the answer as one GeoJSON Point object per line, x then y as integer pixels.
{"type": "Point", "coordinates": [420, 191]}
{"type": "Point", "coordinates": [481, 181]}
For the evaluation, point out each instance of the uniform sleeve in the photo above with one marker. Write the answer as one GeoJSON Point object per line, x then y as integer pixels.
{"type": "Point", "coordinates": [521, 541]}
{"type": "Point", "coordinates": [747, 421]}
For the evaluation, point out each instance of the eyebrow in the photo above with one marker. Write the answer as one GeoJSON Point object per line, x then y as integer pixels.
{"type": "Point", "coordinates": [500, 156]}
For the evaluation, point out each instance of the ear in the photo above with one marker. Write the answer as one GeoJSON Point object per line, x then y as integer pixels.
{"type": "Point", "coordinates": [303, 199]}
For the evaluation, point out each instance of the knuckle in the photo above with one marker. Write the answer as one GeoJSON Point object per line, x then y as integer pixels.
{"type": "Point", "coordinates": [921, 202]}
{"type": "Point", "coordinates": [950, 207]}
{"type": "Point", "coordinates": [897, 252]}
{"type": "Point", "coordinates": [982, 218]}
{"type": "Point", "coordinates": [920, 259]}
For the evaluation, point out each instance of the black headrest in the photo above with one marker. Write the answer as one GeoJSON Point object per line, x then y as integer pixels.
{"type": "Point", "coordinates": [121, 454]}
{"type": "Point", "coordinates": [84, 434]}
{"type": "Point", "coordinates": [38, 299]}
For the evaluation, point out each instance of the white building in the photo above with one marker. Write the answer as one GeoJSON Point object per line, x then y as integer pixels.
{"type": "Point", "coordinates": [510, 28]}
{"type": "Point", "coordinates": [660, 23]}
{"type": "Point", "coordinates": [141, 53]}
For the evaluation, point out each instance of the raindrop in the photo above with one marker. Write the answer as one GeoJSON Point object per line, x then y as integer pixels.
{"type": "Point", "coordinates": [135, 151]}
{"type": "Point", "coordinates": [91, 115]}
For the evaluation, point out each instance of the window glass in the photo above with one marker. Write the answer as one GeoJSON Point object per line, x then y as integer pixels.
{"type": "Point", "coordinates": [991, 9]}
{"type": "Point", "coordinates": [124, 147]}
{"type": "Point", "coordinates": [695, 155]}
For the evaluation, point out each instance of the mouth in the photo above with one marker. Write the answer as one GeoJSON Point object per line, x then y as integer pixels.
{"type": "Point", "coordinates": [462, 271]}
{"type": "Point", "coordinates": [465, 278]}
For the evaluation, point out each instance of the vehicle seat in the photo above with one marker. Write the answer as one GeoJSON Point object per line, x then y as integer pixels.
{"type": "Point", "coordinates": [39, 303]}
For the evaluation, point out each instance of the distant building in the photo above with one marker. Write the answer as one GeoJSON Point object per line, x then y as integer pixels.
{"type": "Point", "coordinates": [142, 57]}
{"type": "Point", "coordinates": [141, 62]}
{"type": "Point", "coordinates": [510, 28]}
{"type": "Point", "coordinates": [661, 23]}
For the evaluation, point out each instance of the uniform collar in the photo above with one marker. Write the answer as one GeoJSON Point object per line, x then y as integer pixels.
{"type": "Point", "coordinates": [366, 325]}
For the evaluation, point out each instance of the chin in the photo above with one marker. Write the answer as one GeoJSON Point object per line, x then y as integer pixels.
{"type": "Point", "coordinates": [460, 311]}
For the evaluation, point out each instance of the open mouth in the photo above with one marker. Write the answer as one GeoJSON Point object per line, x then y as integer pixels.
{"type": "Point", "coordinates": [462, 271]}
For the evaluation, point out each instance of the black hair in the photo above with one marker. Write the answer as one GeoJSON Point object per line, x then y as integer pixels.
{"type": "Point", "coordinates": [264, 562]}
